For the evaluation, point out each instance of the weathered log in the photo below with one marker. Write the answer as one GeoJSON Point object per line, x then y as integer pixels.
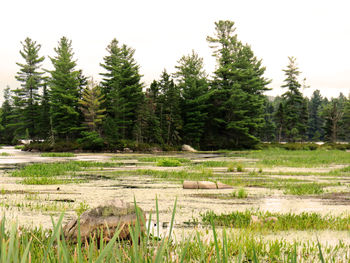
{"type": "Point", "coordinates": [204, 185]}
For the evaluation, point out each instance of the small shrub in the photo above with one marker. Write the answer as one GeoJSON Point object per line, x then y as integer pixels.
{"type": "Point", "coordinates": [260, 170]}
{"type": "Point", "coordinates": [240, 168]}
{"type": "Point", "coordinates": [19, 147]}
{"type": "Point", "coordinates": [169, 163]}
{"type": "Point", "coordinates": [242, 193]}
{"type": "Point", "coordinates": [91, 141]}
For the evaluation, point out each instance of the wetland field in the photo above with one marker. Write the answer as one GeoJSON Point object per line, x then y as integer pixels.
{"type": "Point", "coordinates": [284, 206]}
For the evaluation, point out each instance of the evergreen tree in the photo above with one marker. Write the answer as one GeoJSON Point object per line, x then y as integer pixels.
{"type": "Point", "coordinates": [6, 129]}
{"type": "Point", "coordinates": [122, 89]}
{"type": "Point", "coordinates": [193, 85]}
{"type": "Point", "coordinates": [64, 93]}
{"type": "Point", "coordinates": [280, 119]}
{"type": "Point", "coordinates": [45, 113]}
{"type": "Point", "coordinates": [315, 124]}
{"type": "Point", "coordinates": [236, 94]}
{"type": "Point", "coordinates": [91, 106]}
{"type": "Point", "coordinates": [268, 131]}
{"type": "Point", "coordinates": [26, 98]}
{"type": "Point", "coordinates": [333, 113]}
{"type": "Point", "coordinates": [295, 105]}
{"type": "Point", "coordinates": [346, 120]}
{"type": "Point", "coordinates": [168, 109]}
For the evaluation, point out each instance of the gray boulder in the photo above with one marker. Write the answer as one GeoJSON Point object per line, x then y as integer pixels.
{"type": "Point", "coordinates": [188, 148]}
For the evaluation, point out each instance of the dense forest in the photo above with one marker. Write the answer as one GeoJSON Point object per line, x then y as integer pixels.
{"type": "Point", "coordinates": [226, 109]}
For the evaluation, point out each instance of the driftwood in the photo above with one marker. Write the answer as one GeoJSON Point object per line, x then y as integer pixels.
{"type": "Point", "coordinates": [108, 219]}
{"type": "Point", "coordinates": [205, 185]}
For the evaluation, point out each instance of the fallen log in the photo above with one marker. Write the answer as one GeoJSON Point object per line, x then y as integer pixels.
{"type": "Point", "coordinates": [204, 185]}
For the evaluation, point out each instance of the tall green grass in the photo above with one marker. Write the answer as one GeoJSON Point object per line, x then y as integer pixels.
{"type": "Point", "coordinates": [288, 221]}
{"type": "Point", "coordinates": [40, 245]}
{"type": "Point", "coordinates": [274, 157]}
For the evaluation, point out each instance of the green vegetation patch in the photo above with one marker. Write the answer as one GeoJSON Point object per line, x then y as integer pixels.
{"type": "Point", "coordinates": [282, 222]}
{"type": "Point", "coordinates": [5, 154]}
{"type": "Point", "coordinates": [304, 189]}
{"type": "Point", "coordinates": [169, 163]}
{"type": "Point", "coordinates": [274, 157]}
{"type": "Point", "coordinates": [162, 158]}
{"type": "Point", "coordinates": [53, 154]}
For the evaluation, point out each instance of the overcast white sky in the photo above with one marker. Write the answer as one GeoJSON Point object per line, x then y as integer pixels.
{"type": "Point", "coordinates": [316, 32]}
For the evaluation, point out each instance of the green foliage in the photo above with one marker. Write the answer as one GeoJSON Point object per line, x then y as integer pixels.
{"type": "Point", "coordinates": [333, 113]}
{"type": "Point", "coordinates": [167, 99]}
{"type": "Point", "coordinates": [122, 89]}
{"type": "Point", "coordinates": [304, 189]}
{"type": "Point", "coordinates": [64, 93]}
{"type": "Point", "coordinates": [26, 98]}
{"type": "Point", "coordinates": [91, 103]}
{"type": "Point", "coordinates": [295, 105]}
{"type": "Point", "coordinates": [315, 123]}
{"type": "Point", "coordinates": [168, 163]}
{"type": "Point", "coordinates": [236, 102]}
{"type": "Point", "coordinates": [91, 140]}
{"type": "Point", "coordinates": [53, 154]}
{"type": "Point", "coordinates": [193, 85]}
{"type": "Point", "coordinates": [284, 222]}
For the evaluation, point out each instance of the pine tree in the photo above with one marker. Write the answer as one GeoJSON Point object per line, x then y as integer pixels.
{"type": "Point", "coordinates": [168, 109]}
{"type": "Point", "coordinates": [193, 85]}
{"type": "Point", "coordinates": [267, 132]}
{"type": "Point", "coordinates": [295, 105]}
{"type": "Point", "coordinates": [333, 113]}
{"type": "Point", "coordinates": [236, 94]}
{"type": "Point", "coordinates": [122, 89]}
{"type": "Point", "coordinates": [44, 113]}
{"type": "Point", "coordinates": [26, 98]}
{"type": "Point", "coordinates": [64, 93]}
{"type": "Point", "coordinates": [91, 106]}
{"type": "Point", "coordinates": [315, 123]}
{"type": "Point", "coordinates": [7, 129]}
{"type": "Point", "coordinates": [280, 119]}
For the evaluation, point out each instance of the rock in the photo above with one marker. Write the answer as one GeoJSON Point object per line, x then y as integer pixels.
{"type": "Point", "coordinates": [110, 217]}
{"type": "Point", "coordinates": [127, 150]}
{"type": "Point", "coordinates": [204, 185]}
{"type": "Point", "coordinates": [156, 150]}
{"type": "Point", "coordinates": [187, 148]}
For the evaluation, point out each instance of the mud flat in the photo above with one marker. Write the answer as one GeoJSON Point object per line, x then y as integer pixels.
{"type": "Point", "coordinates": [139, 177]}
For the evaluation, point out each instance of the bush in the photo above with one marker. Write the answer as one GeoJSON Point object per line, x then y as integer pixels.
{"type": "Point", "coordinates": [91, 141]}
{"type": "Point", "coordinates": [169, 162]}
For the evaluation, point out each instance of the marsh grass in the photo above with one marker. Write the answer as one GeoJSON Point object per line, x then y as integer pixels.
{"type": "Point", "coordinates": [304, 189]}
{"type": "Point", "coordinates": [288, 221]}
{"type": "Point", "coordinates": [169, 163]}
{"type": "Point", "coordinates": [157, 159]}
{"type": "Point", "coordinates": [274, 157]}
{"type": "Point", "coordinates": [39, 245]}
{"type": "Point", "coordinates": [5, 154]}
{"type": "Point", "coordinates": [57, 154]}
{"type": "Point", "coordinates": [51, 173]}
{"type": "Point", "coordinates": [19, 147]}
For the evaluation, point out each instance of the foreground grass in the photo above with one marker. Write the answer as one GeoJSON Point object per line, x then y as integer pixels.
{"type": "Point", "coordinates": [281, 222]}
{"type": "Point", "coordinates": [40, 245]}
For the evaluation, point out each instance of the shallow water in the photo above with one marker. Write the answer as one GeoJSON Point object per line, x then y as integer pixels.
{"type": "Point", "coordinates": [145, 189]}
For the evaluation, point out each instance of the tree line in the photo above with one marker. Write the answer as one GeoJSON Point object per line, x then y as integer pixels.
{"type": "Point", "coordinates": [225, 110]}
